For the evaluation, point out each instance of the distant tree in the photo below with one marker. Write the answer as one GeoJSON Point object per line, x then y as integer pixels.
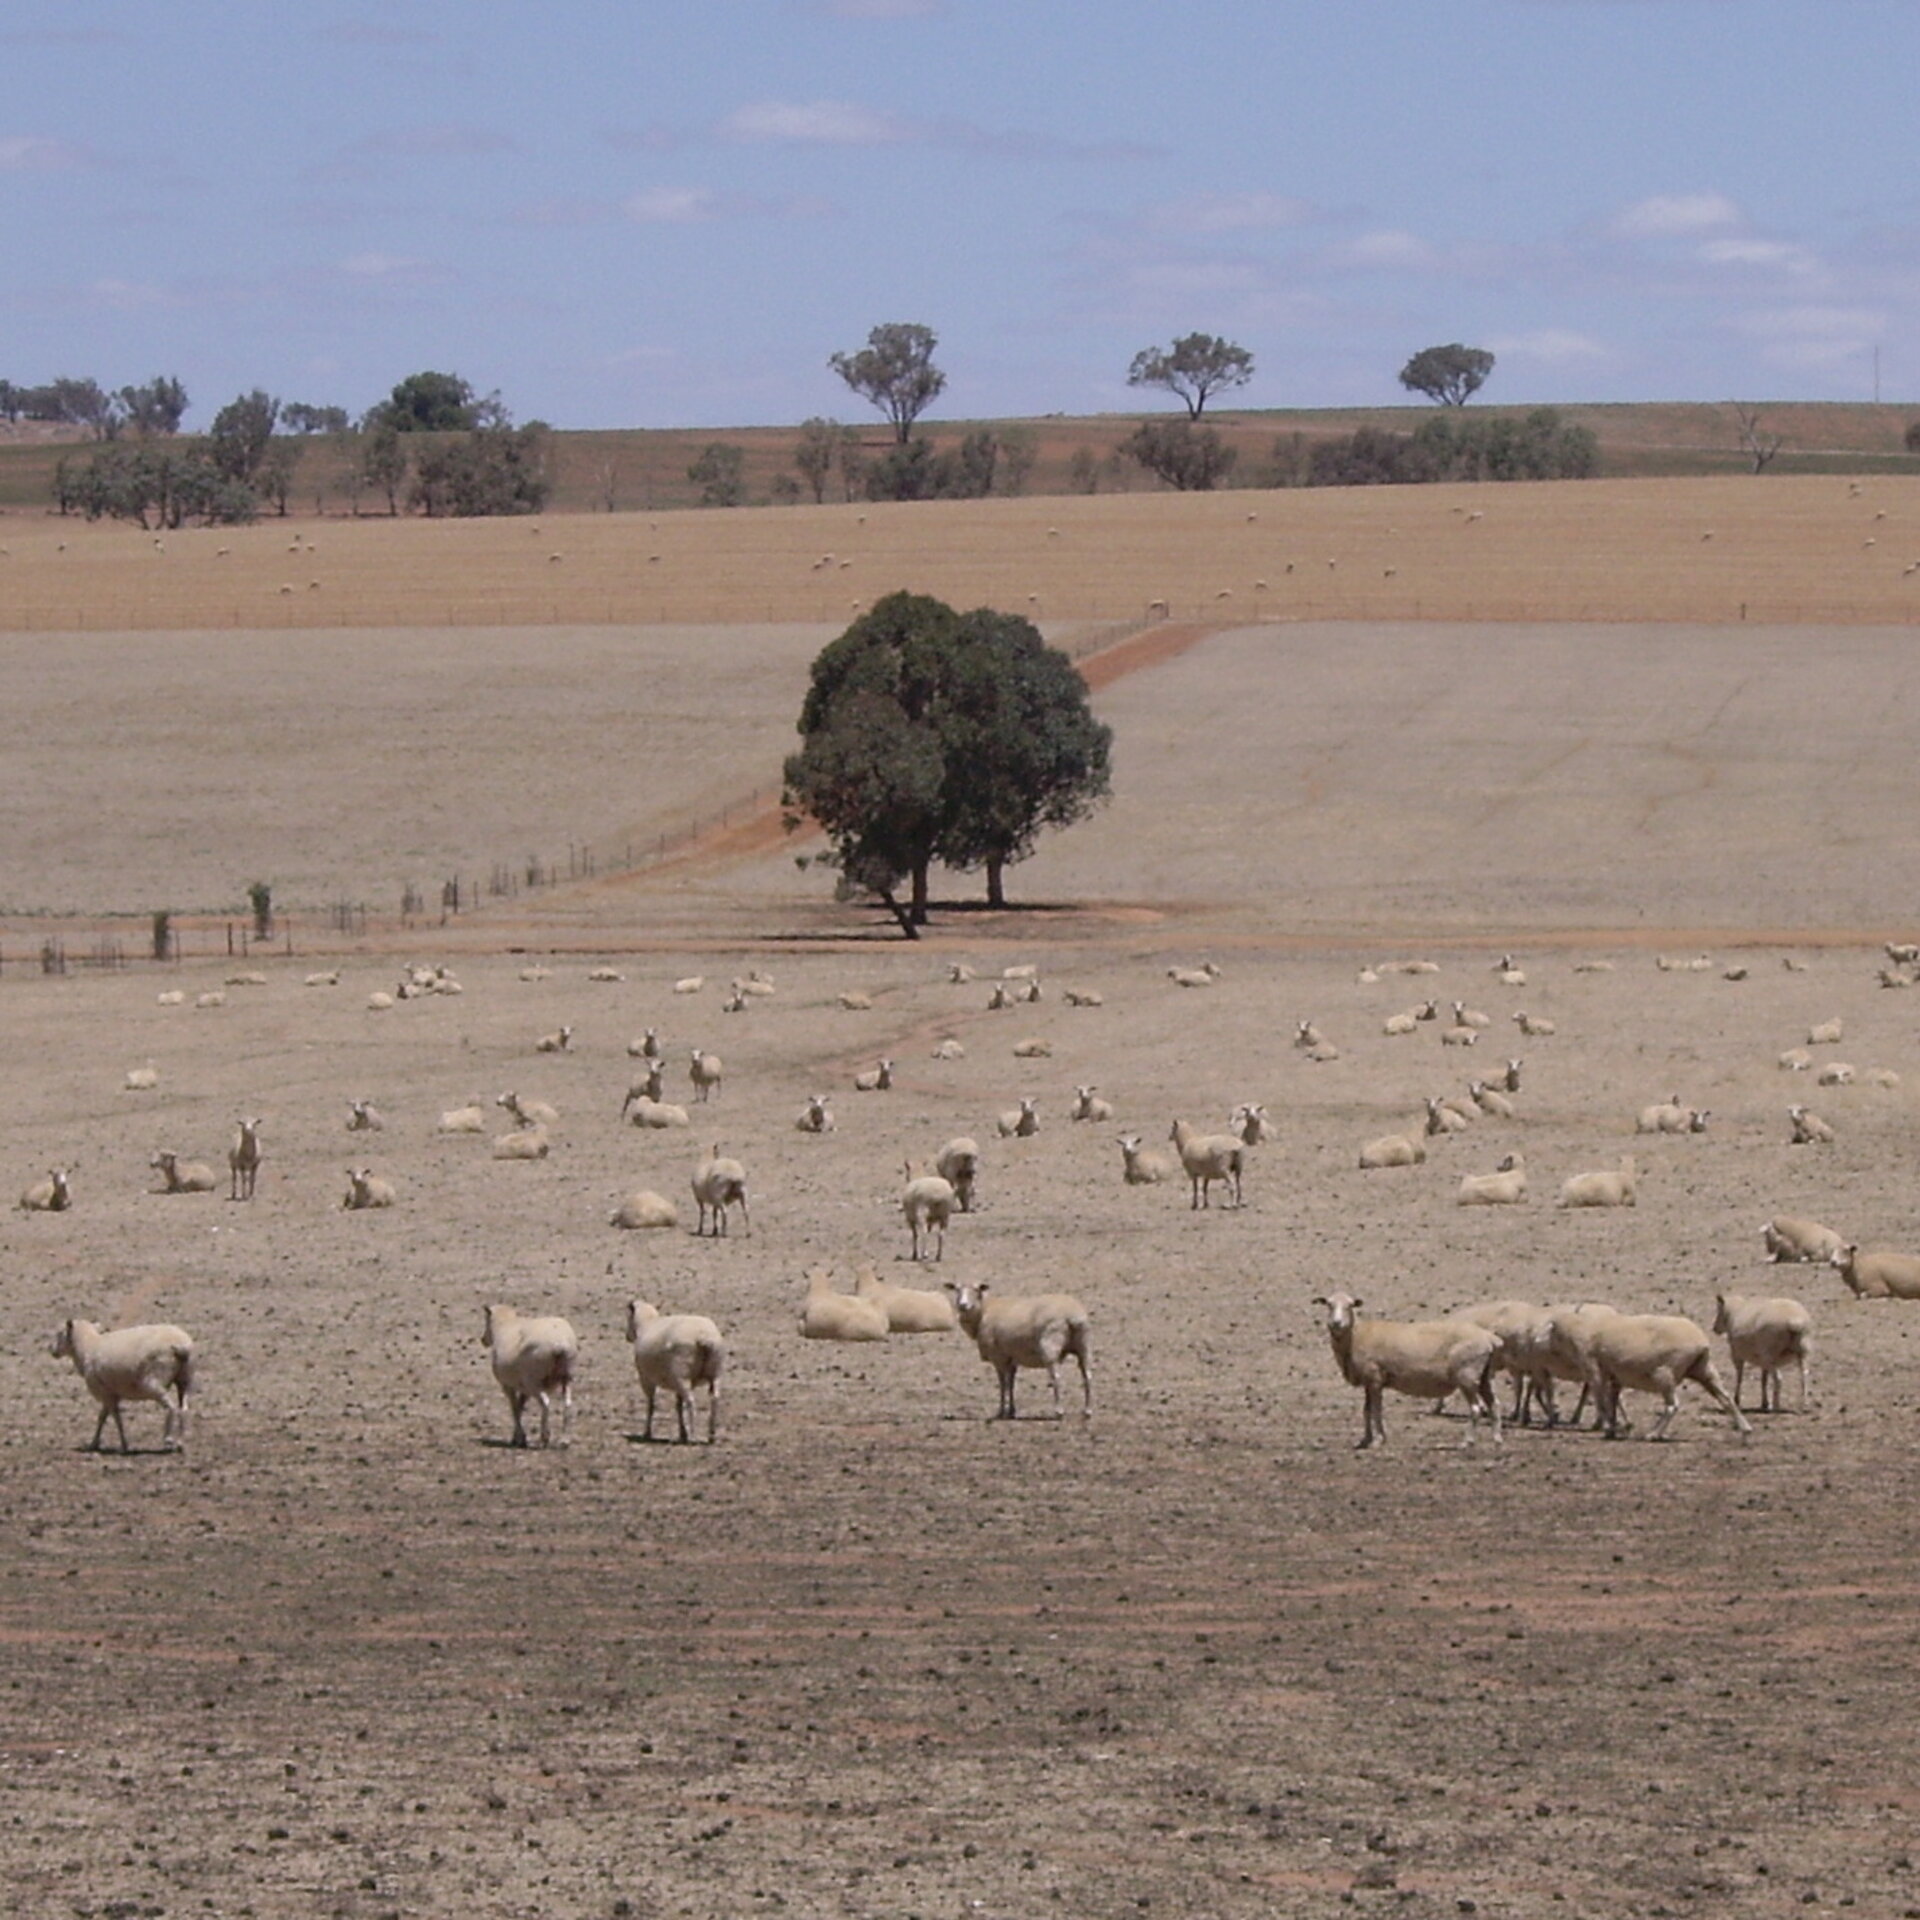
{"type": "Point", "coordinates": [12, 401]}
{"type": "Point", "coordinates": [430, 403]}
{"type": "Point", "coordinates": [296, 416]}
{"type": "Point", "coordinates": [1019, 453]}
{"type": "Point", "coordinates": [1450, 375]}
{"type": "Point", "coordinates": [154, 409]}
{"type": "Point", "coordinates": [383, 462]}
{"type": "Point", "coordinates": [237, 440]}
{"type": "Point", "coordinates": [818, 448]}
{"type": "Point", "coordinates": [784, 490]}
{"type": "Point", "coordinates": [1083, 470]}
{"type": "Point", "coordinates": [1193, 459]}
{"type": "Point", "coordinates": [154, 485]}
{"type": "Point", "coordinates": [915, 471]}
{"type": "Point", "coordinates": [272, 479]}
{"type": "Point", "coordinates": [74, 403]}
{"type": "Point", "coordinates": [894, 371]}
{"type": "Point", "coordinates": [1196, 367]}
{"type": "Point", "coordinates": [1912, 440]}
{"type": "Point", "coordinates": [1756, 442]}
{"type": "Point", "coordinates": [720, 474]}
{"type": "Point", "coordinates": [492, 470]}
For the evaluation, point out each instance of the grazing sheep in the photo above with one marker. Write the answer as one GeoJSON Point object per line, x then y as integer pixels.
{"type": "Point", "coordinates": [676, 1352]}
{"type": "Point", "coordinates": [533, 1358]}
{"type": "Point", "coordinates": [1021, 1122]}
{"type": "Point", "coordinates": [1442, 1118]}
{"type": "Point", "coordinates": [958, 1163]}
{"type": "Point", "coordinates": [1836, 1073]}
{"type": "Point", "coordinates": [658, 1113]}
{"type": "Point", "coordinates": [527, 1112]}
{"type": "Point", "coordinates": [908, 1309]}
{"type": "Point", "coordinates": [1141, 1167]}
{"type": "Point", "coordinates": [1671, 1117]}
{"type": "Point", "coordinates": [142, 1079]}
{"type": "Point", "coordinates": [1207, 1157]}
{"type": "Point", "coordinates": [720, 1183]}
{"type": "Point", "coordinates": [1490, 1100]}
{"type": "Point", "coordinates": [366, 1189]}
{"type": "Point", "coordinates": [1204, 975]}
{"type": "Point", "coordinates": [644, 1210]}
{"type": "Point", "coordinates": [471, 1118]}
{"type": "Point", "coordinates": [243, 1160]}
{"type": "Point", "coordinates": [827, 1315]}
{"type": "Point", "coordinates": [1393, 1150]}
{"type": "Point", "coordinates": [650, 1086]}
{"type": "Point", "coordinates": [1039, 1331]}
{"type": "Point", "coordinates": [1609, 1187]}
{"type": "Point", "coordinates": [1794, 1060]}
{"type": "Point", "coordinates": [1505, 1188]}
{"type": "Point", "coordinates": [1765, 1334]}
{"type": "Point", "coordinates": [1084, 997]}
{"type": "Point", "coordinates": [1789, 1238]}
{"type": "Point", "coordinates": [927, 1202]}
{"type": "Point", "coordinates": [1250, 1122]}
{"type": "Point", "coordinates": [1808, 1128]}
{"type": "Point", "coordinates": [526, 1143]}
{"type": "Point", "coordinates": [705, 1072]}
{"type": "Point", "coordinates": [183, 1176]}
{"type": "Point", "coordinates": [132, 1363]}
{"type": "Point", "coordinates": [1651, 1353]}
{"type": "Point", "coordinates": [1089, 1105]}
{"type": "Point", "coordinates": [876, 1079]}
{"type": "Point", "coordinates": [1427, 1359]}
{"type": "Point", "coordinates": [1877, 1276]}
{"type": "Point", "coordinates": [855, 1002]}
{"type": "Point", "coordinates": [816, 1116]}
{"type": "Point", "coordinates": [559, 1041]}
{"type": "Point", "coordinates": [1827, 1034]}
{"type": "Point", "coordinates": [1534, 1027]}
{"type": "Point", "coordinates": [54, 1194]}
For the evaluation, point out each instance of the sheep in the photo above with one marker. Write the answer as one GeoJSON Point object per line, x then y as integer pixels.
{"type": "Point", "coordinates": [876, 1079]}
{"type": "Point", "coordinates": [1458, 1036]}
{"type": "Point", "coordinates": [827, 1315]}
{"type": "Point", "coordinates": [1031, 994]}
{"type": "Point", "coordinates": [1509, 1081]}
{"type": "Point", "coordinates": [1306, 1036]}
{"type": "Point", "coordinates": [948, 1049]}
{"type": "Point", "coordinates": [1442, 1118]}
{"type": "Point", "coordinates": [1026, 970]}
{"type": "Point", "coordinates": [526, 1143]}
{"type": "Point", "coordinates": [1609, 1187]}
{"type": "Point", "coordinates": [366, 1189]}
{"type": "Point", "coordinates": [1765, 1334]}
{"type": "Point", "coordinates": [1460, 1107]}
{"type": "Point", "coordinates": [958, 1163]}
{"type": "Point", "coordinates": [1882, 1077]}
{"type": "Point", "coordinates": [658, 1113]}
{"type": "Point", "coordinates": [1207, 1157]}
{"type": "Point", "coordinates": [536, 972]}
{"type": "Point", "coordinates": [1021, 1122]}
{"type": "Point", "coordinates": [647, 1047]}
{"type": "Point", "coordinates": [533, 1358]}
{"type": "Point", "coordinates": [1427, 1359]}
{"type": "Point", "coordinates": [1000, 999]}
{"type": "Point", "coordinates": [246, 979]}
{"type": "Point", "coordinates": [131, 1363]}
{"type": "Point", "coordinates": [605, 976]}
{"type": "Point", "coordinates": [677, 1352]}
{"type": "Point", "coordinates": [1836, 1073]}
{"type": "Point", "coordinates": [558, 1041]}
{"type": "Point", "coordinates": [1466, 1016]}
{"type": "Point", "coordinates": [210, 999]}
{"type": "Point", "coordinates": [330, 978]}
{"type": "Point", "coordinates": [908, 1309]}
{"type": "Point", "coordinates": [1533, 1026]}
{"type": "Point", "coordinates": [1794, 1060]}
{"type": "Point", "coordinates": [720, 1183]}
{"type": "Point", "coordinates": [142, 1079]}
{"type": "Point", "coordinates": [364, 1117]}
{"type": "Point", "coordinates": [1084, 997]}
{"type": "Point", "coordinates": [641, 1211]}
{"type": "Point", "coordinates": [1204, 975]}
{"type": "Point", "coordinates": [736, 1001]}
{"type": "Point", "coordinates": [1393, 1150]}
{"type": "Point", "coordinates": [1671, 1117]}
{"type": "Point", "coordinates": [958, 973]}
{"type": "Point", "coordinates": [1903, 954]}
{"type": "Point", "coordinates": [1490, 1100]}
{"type": "Point", "coordinates": [1039, 1330]}
{"type": "Point", "coordinates": [172, 997]}
{"type": "Point", "coordinates": [1409, 1018]}
{"type": "Point", "coordinates": [1089, 1105]}
{"type": "Point", "coordinates": [1522, 1330]}
{"type": "Point", "coordinates": [527, 1112]}
{"type": "Point", "coordinates": [1505, 1188]}
{"type": "Point", "coordinates": [54, 1194]}
{"type": "Point", "coordinates": [1895, 977]}
{"type": "Point", "coordinates": [1033, 1049]}
{"type": "Point", "coordinates": [183, 1176]}
{"type": "Point", "coordinates": [693, 983]}
{"type": "Point", "coordinates": [1789, 1238]}
{"type": "Point", "coordinates": [1808, 1128]}
{"type": "Point", "coordinates": [816, 1116]}
{"type": "Point", "coordinates": [378, 1002]}
{"type": "Point", "coordinates": [927, 1202]}
{"type": "Point", "coordinates": [855, 1002]}
{"type": "Point", "coordinates": [1877, 1276]}
{"type": "Point", "coordinates": [1141, 1167]}
{"type": "Point", "coordinates": [1511, 973]}
{"type": "Point", "coordinates": [1826, 1034]}
{"type": "Point", "coordinates": [1651, 1353]}
{"type": "Point", "coordinates": [471, 1118]}
{"type": "Point", "coordinates": [650, 1086]}
{"type": "Point", "coordinates": [1250, 1122]}
{"type": "Point", "coordinates": [243, 1160]}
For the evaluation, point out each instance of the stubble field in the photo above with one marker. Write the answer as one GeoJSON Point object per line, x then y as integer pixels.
{"type": "Point", "coordinates": [874, 1653]}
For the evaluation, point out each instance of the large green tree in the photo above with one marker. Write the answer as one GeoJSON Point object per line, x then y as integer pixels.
{"type": "Point", "coordinates": [1452, 374]}
{"type": "Point", "coordinates": [1196, 367]}
{"type": "Point", "coordinates": [895, 372]}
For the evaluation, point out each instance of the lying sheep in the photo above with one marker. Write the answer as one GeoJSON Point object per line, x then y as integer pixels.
{"type": "Point", "coordinates": [1835, 1073]}
{"type": "Point", "coordinates": [644, 1210]}
{"type": "Point", "coordinates": [948, 1049]}
{"type": "Point", "coordinates": [526, 1143]}
{"type": "Point", "coordinates": [1207, 1157]}
{"type": "Point", "coordinates": [1877, 1276]}
{"type": "Point", "coordinates": [1393, 1150]}
{"type": "Point", "coordinates": [528, 1112]}
{"type": "Point", "coordinates": [1427, 1359]}
{"type": "Point", "coordinates": [816, 1116]}
{"type": "Point", "coordinates": [54, 1194]}
{"type": "Point", "coordinates": [674, 1353]}
{"type": "Point", "coordinates": [1466, 1016]}
{"type": "Point", "coordinates": [366, 1189]}
{"type": "Point", "coordinates": [647, 1047]}
{"type": "Point", "coordinates": [1609, 1187]}
{"type": "Point", "coordinates": [927, 1202]}
{"type": "Point", "coordinates": [908, 1309]}
{"type": "Point", "coordinates": [650, 1086]}
{"type": "Point", "coordinates": [1033, 1049]}
{"type": "Point", "coordinates": [471, 1118]}
{"type": "Point", "coordinates": [705, 1071]}
{"type": "Point", "coordinates": [1765, 1334]}
{"type": "Point", "coordinates": [658, 1113]}
{"type": "Point", "coordinates": [1038, 1331]}
{"type": "Point", "coordinates": [1084, 997]}
{"type": "Point", "coordinates": [1808, 1129]}
{"type": "Point", "coordinates": [533, 1358]}
{"type": "Point", "coordinates": [692, 983]}
{"type": "Point", "coordinates": [142, 1079]}
{"type": "Point", "coordinates": [183, 1176]}
{"type": "Point", "coordinates": [330, 978]}
{"type": "Point", "coordinates": [1788, 1238]}
{"type": "Point", "coordinates": [1650, 1353]}
{"type": "Point", "coordinates": [1671, 1117]}
{"type": "Point", "coordinates": [1250, 1122]}
{"type": "Point", "coordinates": [875, 1079]}
{"type": "Point", "coordinates": [1506, 1187]}
{"type": "Point", "coordinates": [958, 973]}
{"type": "Point", "coordinates": [243, 1160]}
{"type": "Point", "coordinates": [1406, 1021]}
{"type": "Point", "coordinates": [1459, 1036]}
{"type": "Point", "coordinates": [1021, 1122]}
{"type": "Point", "coordinates": [559, 1041]}
{"type": "Point", "coordinates": [1534, 1027]}
{"type": "Point", "coordinates": [1204, 975]}
{"type": "Point", "coordinates": [720, 1183]}
{"type": "Point", "coordinates": [1794, 1060]}
{"type": "Point", "coordinates": [827, 1315]}
{"type": "Point", "coordinates": [1827, 1034]}
{"type": "Point", "coordinates": [1490, 1100]}
{"type": "Point", "coordinates": [1140, 1166]}
{"type": "Point", "coordinates": [364, 1117]}
{"type": "Point", "coordinates": [605, 975]}
{"type": "Point", "coordinates": [132, 1363]}
{"type": "Point", "coordinates": [853, 1001]}
{"type": "Point", "coordinates": [1442, 1118]}
{"type": "Point", "coordinates": [1088, 1105]}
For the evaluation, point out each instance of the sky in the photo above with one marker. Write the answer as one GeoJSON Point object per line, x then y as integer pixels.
{"type": "Point", "coordinates": [672, 215]}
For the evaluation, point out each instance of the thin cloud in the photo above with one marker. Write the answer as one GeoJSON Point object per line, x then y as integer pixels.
{"type": "Point", "coordinates": [818, 123]}
{"type": "Point", "coordinates": [1232, 213]}
{"type": "Point", "coordinates": [1675, 216]}
{"type": "Point", "coordinates": [1388, 249]}
{"type": "Point", "coordinates": [33, 153]}
{"type": "Point", "coordinates": [1771, 255]}
{"type": "Point", "coordinates": [434, 143]}
{"type": "Point", "coordinates": [672, 206]}
{"type": "Point", "coordinates": [1549, 346]}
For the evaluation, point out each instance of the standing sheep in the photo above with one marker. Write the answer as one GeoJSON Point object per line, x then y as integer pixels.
{"type": "Point", "coordinates": [1765, 1334]}
{"type": "Point", "coordinates": [1038, 1331]}
{"type": "Point", "coordinates": [706, 1072]}
{"type": "Point", "coordinates": [717, 1185]}
{"type": "Point", "coordinates": [927, 1203]}
{"type": "Point", "coordinates": [132, 1363]}
{"type": "Point", "coordinates": [677, 1352]}
{"type": "Point", "coordinates": [1651, 1353]}
{"type": "Point", "coordinates": [243, 1160]}
{"type": "Point", "coordinates": [958, 1163]}
{"type": "Point", "coordinates": [1207, 1157]}
{"type": "Point", "coordinates": [533, 1358]}
{"type": "Point", "coordinates": [1427, 1359]}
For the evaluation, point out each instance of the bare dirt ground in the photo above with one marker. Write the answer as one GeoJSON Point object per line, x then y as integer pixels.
{"type": "Point", "coordinates": [874, 1653]}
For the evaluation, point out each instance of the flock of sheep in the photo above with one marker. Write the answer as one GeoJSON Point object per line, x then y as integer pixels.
{"type": "Point", "coordinates": [1603, 1352]}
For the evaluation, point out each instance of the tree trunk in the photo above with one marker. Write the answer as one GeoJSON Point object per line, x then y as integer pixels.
{"type": "Point", "coordinates": [996, 873]}
{"type": "Point", "coordinates": [900, 914]}
{"type": "Point", "coordinates": [919, 908]}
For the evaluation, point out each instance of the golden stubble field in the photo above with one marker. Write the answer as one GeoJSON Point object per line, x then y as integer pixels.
{"type": "Point", "coordinates": [874, 1653]}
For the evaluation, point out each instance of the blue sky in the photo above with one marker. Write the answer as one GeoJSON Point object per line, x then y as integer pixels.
{"type": "Point", "coordinates": [671, 215]}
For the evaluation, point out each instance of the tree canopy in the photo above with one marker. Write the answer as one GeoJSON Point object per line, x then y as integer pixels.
{"type": "Point", "coordinates": [932, 736]}
{"type": "Point", "coordinates": [895, 372]}
{"type": "Point", "coordinates": [1452, 374]}
{"type": "Point", "coordinates": [1196, 367]}
{"type": "Point", "coordinates": [430, 403]}
{"type": "Point", "coordinates": [1193, 459]}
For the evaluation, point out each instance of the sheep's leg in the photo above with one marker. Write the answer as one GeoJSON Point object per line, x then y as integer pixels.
{"type": "Point", "coordinates": [648, 1435]}
{"type": "Point", "coordinates": [1739, 1377]}
{"type": "Point", "coordinates": [713, 1410]}
{"type": "Point", "coordinates": [1370, 1417]}
{"type": "Point", "coordinates": [100, 1426]}
{"type": "Point", "coordinates": [566, 1412]}
{"type": "Point", "coordinates": [940, 1244]}
{"type": "Point", "coordinates": [1006, 1371]}
{"type": "Point", "coordinates": [518, 1401]}
{"type": "Point", "coordinates": [683, 1411]}
{"type": "Point", "coordinates": [746, 1219]}
{"type": "Point", "coordinates": [1805, 1385]}
{"type": "Point", "coordinates": [1086, 1383]}
{"type": "Point", "coordinates": [1670, 1408]}
{"type": "Point", "coordinates": [1053, 1381]}
{"type": "Point", "coordinates": [1704, 1376]}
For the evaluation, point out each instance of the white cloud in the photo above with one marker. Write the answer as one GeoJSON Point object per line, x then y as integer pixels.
{"type": "Point", "coordinates": [1667, 216]}
{"type": "Point", "coordinates": [670, 206]}
{"type": "Point", "coordinates": [1809, 338]}
{"type": "Point", "coordinates": [1773, 254]}
{"type": "Point", "coordinates": [826, 123]}
{"type": "Point", "coordinates": [1231, 213]}
{"type": "Point", "coordinates": [30, 153]}
{"type": "Point", "coordinates": [1387, 248]}
{"type": "Point", "coordinates": [1549, 346]}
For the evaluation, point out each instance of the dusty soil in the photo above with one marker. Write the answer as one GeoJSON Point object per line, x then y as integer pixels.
{"type": "Point", "coordinates": [875, 1653]}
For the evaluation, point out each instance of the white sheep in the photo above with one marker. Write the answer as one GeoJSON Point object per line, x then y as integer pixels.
{"type": "Point", "coordinates": [958, 973]}
{"type": "Point", "coordinates": [142, 1079]}
{"type": "Point", "coordinates": [643, 1210]}
{"type": "Point", "coordinates": [674, 1353]}
{"type": "Point", "coordinates": [1427, 1359]}
{"type": "Point", "coordinates": [366, 1189]}
{"type": "Point", "coordinates": [1877, 1276]}
{"type": "Point", "coordinates": [1827, 1033]}
{"type": "Point", "coordinates": [705, 1071]}
{"type": "Point", "coordinates": [1808, 1128]}
{"type": "Point", "coordinates": [1794, 1060]}
{"type": "Point", "coordinates": [927, 1202]}
{"type": "Point", "coordinates": [378, 1002]}
{"type": "Point", "coordinates": [471, 1118]}
{"type": "Point", "coordinates": [1249, 1120]}
{"type": "Point", "coordinates": [1789, 1238]}
{"type": "Point", "coordinates": [528, 1112]}
{"type": "Point", "coordinates": [1033, 1049]}
{"type": "Point", "coordinates": [647, 1047]}
{"type": "Point", "coordinates": [1507, 1187]}
{"type": "Point", "coordinates": [816, 1116]}
{"type": "Point", "coordinates": [533, 1358]}
{"type": "Point", "coordinates": [1021, 1122]}
{"type": "Point", "coordinates": [650, 1086]}
{"type": "Point", "coordinates": [1765, 1334]}
{"type": "Point", "coordinates": [829, 1315]}
{"type": "Point", "coordinates": [1534, 1026]}
{"type": "Point", "coordinates": [1510, 971]}
{"type": "Point", "coordinates": [558, 1041]}
{"type": "Point", "coordinates": [1670, 1116]}
{"type": "Point", "coordinates": [364, 1117]}
{"type": "Point", "coordinates": [605, 975]}
{"type": "Point", "coordinates": [658, 1113]}
{"type": "Point", "coordinates": [1650, 1353]}
{"type": "Point", "coordinates": [736, 1001]}
{"type": "Point", "coordinates": [853, 1001]}
{"type": "Point", "coordinates": [524, 1143]}
{"type": "Point", "coordinates": [876, 1079]}
{"type": "Point", "coordinates": [1000, 998]}
{"type": "Point", "coordinates": [1459, 1036]}
{"type": "Point", "coordinates": [183, 1176]}
{"type": "Point", "coordinates": [1509, 1081]}
{"type": "Point", "coordinates": [1409, 1018]}
{"type": "Point", "coordinates": [1490, 1100]}
{"type": "Point", "coordinates": [1835, 1073]}
{"type": "Point", "coordinates": [948, 1049]}
{"type": "Point", "coordinates": [1089, 1105]}
{"type": "Point", "coordinates": [54, 1194]}
{"type": "Point", "coordinates": [1084, 997]}
{"type": "Point", "coordinates": [756, 986]}
{"type": "Point", "coordinates": [1393, 1150]}
{"type": "Point", "coordinates": [908, 1309]}
{"type": "Point", "coordinates": [719, 1183]}
{"type": "Point", "coordinates": [692, 983]}
{"type": "Point", "coordinates": [212, 998]}
{"type": "Point", "coordinates": [172, 997]}
{"type": "Point", "coordinates": [1204, 975]}
{"type": "Point", "coordinates": [330, 978]}
{"type": "Point", "coordinates": [1037, 1331]}
{"type": "Point", "coordinates": [131, 1363]}
{"type": "Point", "coordinates": [1026, 970]}
{"type": "Point", "coordinates": [1306, 1036]}
{"type": "Point", "coordinates": [1524, 1333]}
{"type": "Point", "coordinates": [1442, 1118]}
{"type": "Point", "coordinates": [1141, 1166]}
{"type": "Point", "coordinates": [1466, 1016]}
{"type": "Point", "coordinates": [1608, 1187]}
{"type": "Point", "coordinates": [958, 1163]}
{"type": "Point", "coordinates": [243, 1160]}
{"type": "Point", "coordinates": [1207, 1157]}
